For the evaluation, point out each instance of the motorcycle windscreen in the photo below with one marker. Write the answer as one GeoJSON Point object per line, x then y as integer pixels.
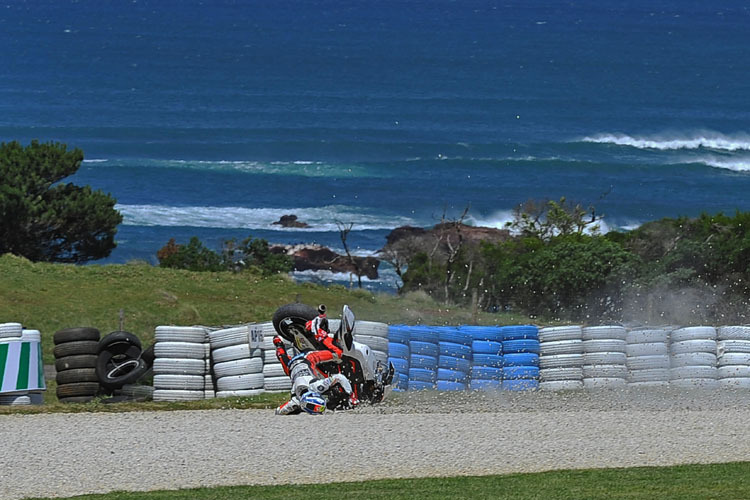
{"type": "Point", "coordinates": [347, 327]}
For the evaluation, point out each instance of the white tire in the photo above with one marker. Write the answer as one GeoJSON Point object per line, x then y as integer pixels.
{"type": "Point", "coordinates": [179, 366]}
{"type": "Point", "coordinates": [685, 346]}
{"type": "Point", "coordinates": [604, 358]}
{"type": "Point", "coordinates": [31, 336]}
{"type": "Point", "coordinates": [556, 333]}
{"type": "Point", "coordinates": [208, 384]}
{"type": "Point", "coordinates": [10, 330]}
{"type": "Point", "coordinates": [184, 350]}
{"type": "Point", "coordinates": [561, 385]}
{"type": "Point", "coordinates": [727, 346]}
{"type": "Point", "coordinates": [646, 336]}
{"type": "Point", "coordinates": [648, 362]}
{"type": "Point", "coordinates": [238, 367]}
{"type": "Point", "coordinates": [561, 347]}
{"type": "Point", "coordinates": [239, 394]}
{"type": "Point", "coordinates": [240, 382]}
{"type": "Point", "coordinates": [274, 370]}
{"type": "Point", "coordinates": [277, 383]}
{"type": "Point", "coordinates": [735, 383]}
{"type": "Point", "coordinates": [733, 333]}
{"type": "Point", "coordinates": [370, 328]}
{"type": "Point", "coordinates": [604, 383]}
{"type": "Point", "coordinates": [560, 374]}
{"type": "Point", "coordinates": [232, 352]}
{"type": "Point", "coordinates": [180, 382]}
{"type": "Point", "coordinates": [647, 349]}
{"type": "Point", "coordinates": [229, 336]}
{"type": "Point", "coordinates": [604, 345]}
{"type": "Point", "coordinates": [193, 334]}
{"type": "Point", "coordinates": [652, 375]}
{"type": "Point", "coordinates": [734, 358]}
{"type": "Point", "coordinates": [269, 357]}
{"type": "Point", "coordinates": [604, 332]}
{"type": "Point", "coordinates": [733, 371]}
{"type": "Point", "coordinates": [561, 361]}
{"type": "Point", "coordinates": [178, 395]}
{"type": "Point", "coordinates": [605, 371]}
{"type": "Point", "coordinates": [375, 343]}
{"type": "Point", "coordinates": [15, 400]}
{"type": "Point", "coordinates": [690, 372]}
{"type": "Point", "coordinates": [693, 359]}
{"type": "Point", "coordinates": [694, 333]}
{"type": "Point", "coordinates": [695, 383]}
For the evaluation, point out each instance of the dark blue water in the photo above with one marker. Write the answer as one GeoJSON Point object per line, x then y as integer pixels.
{"type": "Point", "coordinates": [216, 118]}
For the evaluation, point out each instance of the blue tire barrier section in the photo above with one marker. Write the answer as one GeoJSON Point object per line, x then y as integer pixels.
{"type": "Point", "coordinates": [399, 354]}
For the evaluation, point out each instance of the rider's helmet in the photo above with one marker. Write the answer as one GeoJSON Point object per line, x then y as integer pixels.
{"type": "Point", "coordinates": [313, 403]}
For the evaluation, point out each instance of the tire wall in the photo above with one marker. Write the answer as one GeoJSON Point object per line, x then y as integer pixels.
{"type": "Point", "coordinates": [22, 377]}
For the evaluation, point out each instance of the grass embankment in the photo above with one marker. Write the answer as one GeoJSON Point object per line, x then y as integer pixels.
{"type": "Point", "coordinates": [49, 297]}
{"type": "Point", "coordinates": [684, 482]}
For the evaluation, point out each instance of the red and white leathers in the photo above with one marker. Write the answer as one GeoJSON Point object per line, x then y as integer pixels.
{"type": "Point", "coordinates": [306, 377]}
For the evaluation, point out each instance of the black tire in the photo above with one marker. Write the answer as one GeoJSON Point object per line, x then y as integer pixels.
{"type": "Point", "coordinates": [76, 375]}
{"type": "Point", "coordinates": [120, 339]}
{"type": "Point", "coordinates": [78, 389]}
{"type": "Point", "coordinates": [148, 356]}
{"type": "Point", "coordinates": [76, 399]}
{"type": "Point", "coordinates": [75, 362]}
{"type": "Point", "coordinates": [114, 371]}
{"type": "Point", "coordinates": [75, 348]}
{"type": "Point", "coordinates": [75, 334]}
{"type": "Point", "coordinates": [289, 320]}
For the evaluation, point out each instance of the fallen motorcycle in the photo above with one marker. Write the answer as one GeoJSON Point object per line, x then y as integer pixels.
{"type": "Point", "coordinates": [370, 378]}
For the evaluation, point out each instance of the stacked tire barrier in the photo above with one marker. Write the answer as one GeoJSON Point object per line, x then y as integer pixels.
{"type": "Point", "coordinates": [487, 357]}
{"type": "Point", "coordinates": [454, 359]}
{"type": "Point", "coordinates": [521, 350]}
{"type": "Point", "coordinates": [121, 362]}
{"type": "Point", "coordinates": [398, 355]}
{"type": "Point", "coordinates": [647, 353]}
{"type": "Point", "coordinates": [237, 367]}
{"type": "Point", "coordinates": [604, 358]}
{"type": "Point", "coordinates": [561, 358]}
{"type": "Point", "coordinates": [76, 354]}
{"type": "Point", "coordinates": [181, 363]}
{"type": "Point", "coordinates": [733, 353]}
{"type": "Point", "coordinates": [423, 358]}
{"type": "Point", "coordinates": [374, 335]}
{"type": "Point", "coordinates": [274, 378]}
{"type": "Point", "coordinates": [21, 370]}
{"type": "Point", "coordinates": [693, 357]}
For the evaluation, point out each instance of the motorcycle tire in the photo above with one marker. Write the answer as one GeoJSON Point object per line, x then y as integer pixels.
{"type": "Point", "coordinates": [290, 319]}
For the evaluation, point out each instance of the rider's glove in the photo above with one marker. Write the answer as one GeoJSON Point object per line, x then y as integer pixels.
{"type": "Point", "coordinates": [278, 342]}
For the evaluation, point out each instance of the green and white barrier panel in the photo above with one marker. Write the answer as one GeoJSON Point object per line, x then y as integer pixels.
{"type": "Point", "coordinates": [21, 368]}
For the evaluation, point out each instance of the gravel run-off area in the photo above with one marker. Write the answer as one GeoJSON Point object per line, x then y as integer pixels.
{"type": "Point", "coordinates": [419, 435]}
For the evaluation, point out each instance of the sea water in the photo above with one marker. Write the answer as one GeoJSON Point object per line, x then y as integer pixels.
{"type": "Point", "coordinates": [216, 118]}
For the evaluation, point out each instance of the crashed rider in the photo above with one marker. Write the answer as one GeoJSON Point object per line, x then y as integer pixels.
{"type": "Point", "coordinates": [309, 383]}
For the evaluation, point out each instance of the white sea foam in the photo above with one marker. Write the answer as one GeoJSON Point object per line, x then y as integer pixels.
{"type": "Point", "coordinates": [677, 141]}
{"type": "Point", "coordinates": [739, 164]}
{"type": "Point", "coordinates": [320, 219]}
{"type": "Point", "coordinates": [497, 220]}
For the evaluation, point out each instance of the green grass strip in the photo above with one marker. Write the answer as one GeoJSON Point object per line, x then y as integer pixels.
{"type": "Point", "coordinates": [684, 482]}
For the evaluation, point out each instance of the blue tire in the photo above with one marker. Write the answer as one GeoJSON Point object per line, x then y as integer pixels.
{"type": "Point", "coordinates": [422, 361]}
{"type": "Point", "coordinates": [396, 350]}
{"type": "Point", "coordinates": [521, 359]}
{"type": "Point", "coordinates": [424, 348]}
{"type": "Point", "coordinates": [484, 385]}
{"type": "Point", "coordinates": [445, 385]}
{"type": "Point", "coordinates": [487, 347]}
{"type": "Point", "coordinates": [452, 375]}
{"type": "Point", "coordinates": [493, 333]}
{"type": "Point", "coordinates": [455, 350]}
{"type": "Point", "coordinates": [486, 373]}
{"type": "Point", "coordinates": [520, 385]}
{"type": "Point", "coordinates": [520, 372]}
{"type": "Point", "coordinates": [488, 360]}
{"type": "Point", "coordinates": [401, 380]}
{"type": "Point", "coordinates": [518, 346]}
{"type": "Point", "coordinates": [399, 334]}
{"type": "Point", "coordinates": [451, 363]}
{"type": "Point", "coordinates": [454, 335]}
{"type": "Point", "coordinates": [422, 375]}
{"type": "Point", "coordinates": [401, 365]}
{"type": "Point", "coordinates": [423, 334]}
{"type": "Point", "coordinates": [519, 332]}
{"type": "Point", "coordinates": [416, 385]}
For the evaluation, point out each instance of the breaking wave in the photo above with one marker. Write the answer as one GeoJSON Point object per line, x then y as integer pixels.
{"type": "Point", "coordinates": [669, 142]}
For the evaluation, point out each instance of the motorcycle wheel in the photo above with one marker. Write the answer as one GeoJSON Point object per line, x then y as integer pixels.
{"type": "Point", "coordinates": [289, 320]}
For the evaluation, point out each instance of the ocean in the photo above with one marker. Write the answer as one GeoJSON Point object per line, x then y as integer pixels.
{"type": "Point", "coordinates": [214, 119]}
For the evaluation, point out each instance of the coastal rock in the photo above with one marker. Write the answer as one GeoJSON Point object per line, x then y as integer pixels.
{"type": "Point", "coordinates": [447, 231]}
{"type": "Point", "coordinates": [320, 258]}
{"type": "Point", "coordinates": [290, 221]}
